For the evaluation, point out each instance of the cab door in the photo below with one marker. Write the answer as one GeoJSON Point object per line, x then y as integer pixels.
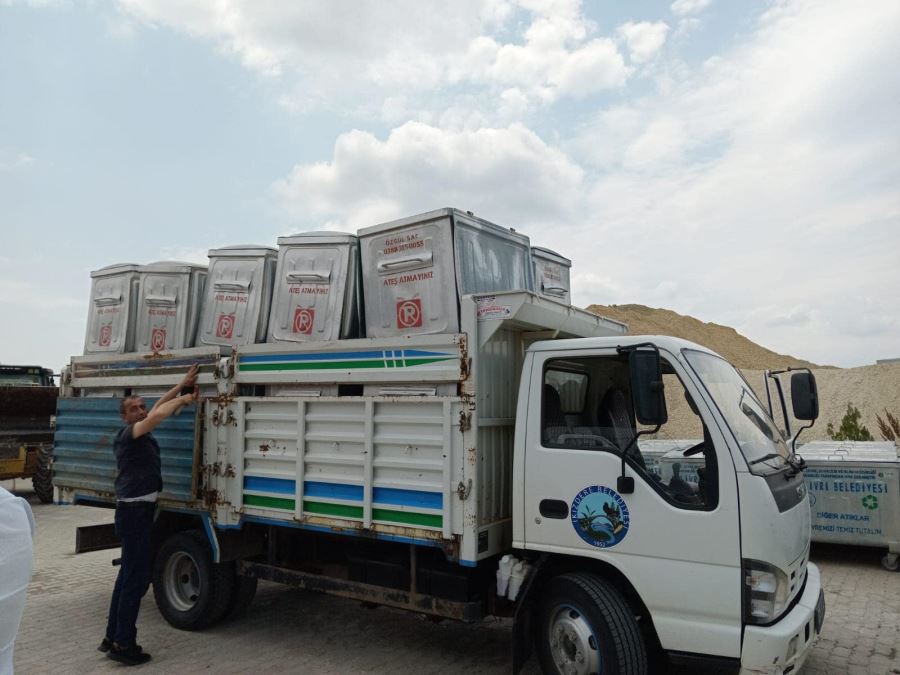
{"type": "Point", "coordinates": [679, 548]}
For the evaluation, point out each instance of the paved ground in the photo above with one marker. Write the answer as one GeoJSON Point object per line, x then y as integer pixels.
{"type": "Point", "coordinates": [287, 630]}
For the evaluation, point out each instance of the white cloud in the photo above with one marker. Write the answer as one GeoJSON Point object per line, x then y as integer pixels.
{"type": "Point", "coordinates": [10, 161]}
{"type": "Point", "coordinates": [509, 174]}
{"type": "Point", "coordinates": [686, 7]}
{"type": "Point", "coordinates": [769, 172]}
{"type": "Point", "coordinates": [407, 49]}
{"type": "Point", "coordinates": [591, 68]}
{"type": "Point", "coordinates": [644, 39]}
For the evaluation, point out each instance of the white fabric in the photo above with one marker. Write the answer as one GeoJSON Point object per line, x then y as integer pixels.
{"type": "Point", "coordinates": [16, 563]}
{"type": "Point", "coordinates": [149, 497]}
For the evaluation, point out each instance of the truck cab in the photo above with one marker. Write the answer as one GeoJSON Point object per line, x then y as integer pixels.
{"type": "Point", "coordinates": [666, 508]}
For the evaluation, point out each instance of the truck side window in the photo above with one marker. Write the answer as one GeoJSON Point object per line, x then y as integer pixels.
{"type": "Point", "coordinates": [563, 400]}
{"type": "Point", "coordinates": [586, 405]}
{"type": "Point", "coordinates": [680, 457]}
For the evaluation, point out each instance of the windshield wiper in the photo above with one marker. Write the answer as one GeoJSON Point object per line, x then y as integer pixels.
{"type": "Point", "coordinates": [765, 458]}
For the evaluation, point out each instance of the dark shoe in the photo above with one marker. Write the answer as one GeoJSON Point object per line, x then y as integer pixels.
{"type": "Point", "coordinates": [107, 643]}
{"type": "Point", "coordinates": [130, 656]}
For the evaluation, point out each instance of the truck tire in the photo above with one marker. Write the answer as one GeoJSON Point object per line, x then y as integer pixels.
{"type": "Point", "coordinates": [190, 590]}
{"type": "Point", "coordinates": [585, 627]}
{"type": "Point", "coordinates": [42, 479]}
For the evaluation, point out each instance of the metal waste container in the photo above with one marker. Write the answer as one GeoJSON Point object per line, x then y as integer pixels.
{"type": "Point", "coordinates": [317, 293]}
{"type": "Point", "coordinates": [416, 269]}
{"type": "Point", "coordinates": [551, 274]}
{"type": "Point", "coordinates": [113, 304]}
{"type": "Point", "coordinates": [169, 308]}
{"type": "Point", "coordinates": [238, 295]}
{"type": "Point", "coordinates": [854, 494]}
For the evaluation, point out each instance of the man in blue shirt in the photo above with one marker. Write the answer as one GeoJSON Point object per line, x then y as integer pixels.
{"type": "Point", "coordinates": [138, 483]}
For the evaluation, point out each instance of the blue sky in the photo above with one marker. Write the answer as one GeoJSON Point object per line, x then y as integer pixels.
{"type": "Point", "coordinates": [733, 161]}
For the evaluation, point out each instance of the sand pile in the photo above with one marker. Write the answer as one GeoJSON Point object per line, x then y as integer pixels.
{"type": "Point", "coordinates": [872, 389]}
{"type": "Point", "coordinates": [723, 340]}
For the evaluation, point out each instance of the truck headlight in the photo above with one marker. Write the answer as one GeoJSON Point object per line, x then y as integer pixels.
{"type": "Point", "coordinates": [765, 592]}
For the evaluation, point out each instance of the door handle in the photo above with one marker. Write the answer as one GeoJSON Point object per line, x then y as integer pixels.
{"type": "Point", "coordinates": [554, 508]}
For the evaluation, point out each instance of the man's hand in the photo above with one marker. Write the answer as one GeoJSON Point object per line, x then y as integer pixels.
{"type": "Point", "coordinates": [188, 385]}
{"type": "Point", "coordinates": [161, 412]}
{"type": "Point", "coordinates": [189, 381]}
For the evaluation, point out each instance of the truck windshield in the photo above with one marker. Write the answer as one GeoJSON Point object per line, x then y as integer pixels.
{"type": "Point", "coordinates": [756, 434]}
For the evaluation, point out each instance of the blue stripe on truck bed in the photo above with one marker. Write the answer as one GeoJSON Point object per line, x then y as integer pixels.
{"type": "Point", "coordinates": [354, 493]}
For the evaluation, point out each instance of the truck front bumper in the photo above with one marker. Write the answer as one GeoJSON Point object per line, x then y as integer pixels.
{"type": "Point", "coordinates": [782, 648]}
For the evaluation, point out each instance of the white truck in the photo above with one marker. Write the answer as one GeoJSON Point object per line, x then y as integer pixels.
{"type": "Point", "coordinates": [527, 446]}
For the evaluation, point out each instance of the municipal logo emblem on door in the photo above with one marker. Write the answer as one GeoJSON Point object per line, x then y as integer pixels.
{"type": "Point", "coordinates": [303, 321]}
{"type": "Point", "coordinates": [409, 313]}
{"type": "Point", "coordinates": [158, 339]}
{"type": "Point", "coordinates": [600, 516]}
{"type": "Point", "coordinates": [225, 326]}
{"type": "Point", "coordinates": [105, 336]}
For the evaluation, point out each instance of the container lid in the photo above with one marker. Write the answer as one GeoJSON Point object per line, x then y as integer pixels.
{"type": "Point", "coordinates": [552, 256]}
{"type": "Point", "coordinates": [467, 217]}
{"type": "Point", "coordinates": [171, 267]}
{"type": "Point", "coordinates": [316, 238]}
{"type": "Point", "coordinates": [242, 251]}
{"type": "Point", "coordinates": [849, 451]}
{"type": "Point", "coordinates": [118, 268]}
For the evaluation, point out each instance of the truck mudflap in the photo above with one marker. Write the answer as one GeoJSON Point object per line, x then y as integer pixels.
{"type": "Point", "coordinates": [523, 619]}
{"type": "Point", "coordinates": [784, 646]}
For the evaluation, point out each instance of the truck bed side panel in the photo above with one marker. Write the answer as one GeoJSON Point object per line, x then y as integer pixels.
{"type": "Point", "coordinates": [385, 465]}
{"type": "Point", "coordinates": [84, 462]}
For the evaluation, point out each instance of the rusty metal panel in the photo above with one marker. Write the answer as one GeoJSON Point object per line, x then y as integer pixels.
{"type": "Point", "coordinates": [410, 600]}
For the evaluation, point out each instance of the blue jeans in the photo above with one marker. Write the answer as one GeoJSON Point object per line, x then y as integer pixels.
{"type": "Point", "coordinates": [134, 527]}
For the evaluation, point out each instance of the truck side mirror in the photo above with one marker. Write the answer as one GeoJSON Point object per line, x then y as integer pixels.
{"type": "Point", "coordinates": [804, 396]}
{"type": "Point", "coordinates": [647, 387]}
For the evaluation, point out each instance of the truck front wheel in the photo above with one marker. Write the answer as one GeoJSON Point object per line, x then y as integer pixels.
{"type": "Point", "coordinates": [585, 627]}
{"type": "Point", "coordinates": [190, 590]}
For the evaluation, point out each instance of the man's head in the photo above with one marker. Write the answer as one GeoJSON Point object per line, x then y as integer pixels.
{"type": "Point", "coordinates": [132, 409]}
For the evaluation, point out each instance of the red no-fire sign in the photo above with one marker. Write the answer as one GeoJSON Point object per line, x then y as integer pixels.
{"type": "Point", "coordinates": [409, 313]}
{"type": "Point", "coordinates": [225, 326]}
{"type": "Point", "coordinates": [303, 320]}
{"type": "Point", "coordinates": [158, 339]}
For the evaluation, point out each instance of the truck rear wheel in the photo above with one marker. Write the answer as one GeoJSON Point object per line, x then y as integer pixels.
{"type": "Point", "coordinates": [585, 627]}
{"type": "Point", "coordinates": [190, 590]}
{"type": "Point", "coordinates": [42, 479]}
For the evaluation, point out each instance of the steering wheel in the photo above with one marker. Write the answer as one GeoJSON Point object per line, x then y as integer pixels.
{"type": "Point", "coordinates": [694, 449]}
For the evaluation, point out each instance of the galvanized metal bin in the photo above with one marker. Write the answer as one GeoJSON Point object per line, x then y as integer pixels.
{"type": "Point", "coordinates": [111, 315]}
{"type": "Point", "coordinates": [238, 295]}
{"type": "Point", "coordinates": [317, 294]}
{"type": "Point", "coordinates": [169, 308]}
{"type": "Point", "coordinates": [416, 269]}
{"type": "Point", "coordinates": [854, 494]}
{"type": "Point", "coordinates": [551, 274]}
